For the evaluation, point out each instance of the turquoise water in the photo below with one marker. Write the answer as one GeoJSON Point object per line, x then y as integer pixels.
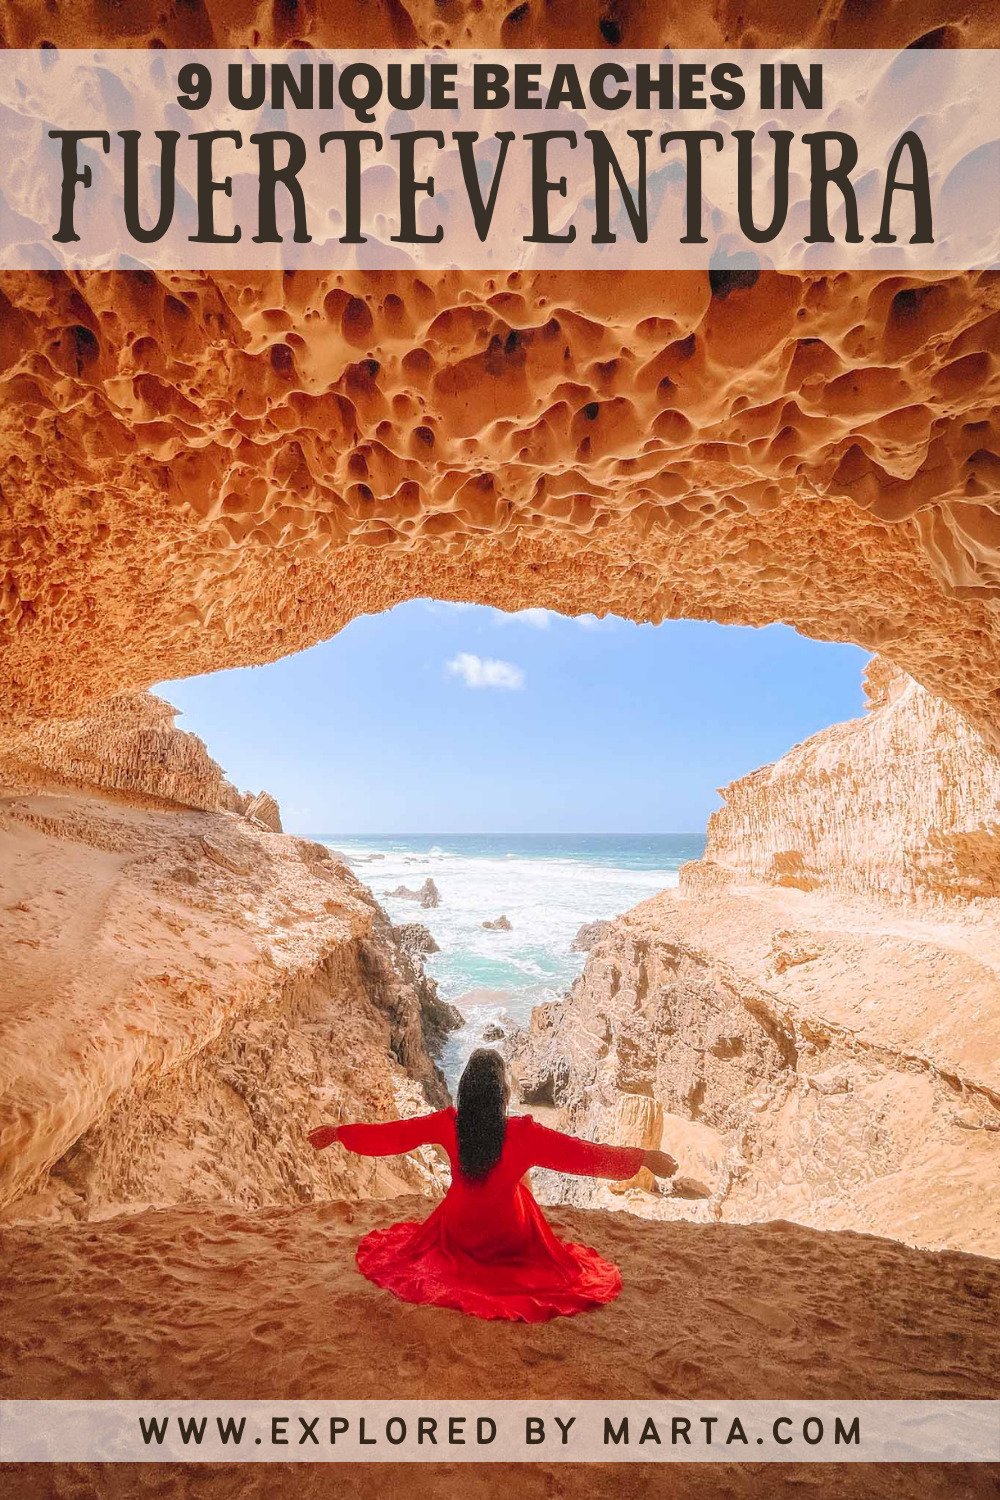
{"type": "Point", "coordinates": [547, 887]}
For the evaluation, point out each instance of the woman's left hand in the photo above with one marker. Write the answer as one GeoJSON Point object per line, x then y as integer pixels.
{"type": "Point", "coordinates": [659, 1163]}
{"type": "Point", "coordinates": [322, 1136]}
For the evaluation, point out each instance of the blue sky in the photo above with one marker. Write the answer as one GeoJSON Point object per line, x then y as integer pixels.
{"type": "Point", "coordinates": [436, 718]}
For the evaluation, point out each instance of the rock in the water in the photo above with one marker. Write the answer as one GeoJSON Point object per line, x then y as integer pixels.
{"type": "Point", "coordinates": [494, 1033]}
{"type": "Point", "coordinates": [589, 934]}
{"type": "Point", "coordinates": [500, 924]}
{"type": "Point", "coordinates": [415, 939]}
{"type": "Point", "coordinates": [428, 895]}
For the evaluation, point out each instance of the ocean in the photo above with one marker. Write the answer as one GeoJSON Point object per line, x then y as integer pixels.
{"type": "Point", "coordinates": [547, 887]}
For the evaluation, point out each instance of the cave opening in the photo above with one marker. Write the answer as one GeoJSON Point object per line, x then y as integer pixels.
{"type": "Point", "coordinates": [471, 826]}
{"type": "Point", "coordinates": [508, 783]}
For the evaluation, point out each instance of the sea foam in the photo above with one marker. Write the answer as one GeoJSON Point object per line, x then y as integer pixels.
{"type": "Point", "coordinates": [547, 888]}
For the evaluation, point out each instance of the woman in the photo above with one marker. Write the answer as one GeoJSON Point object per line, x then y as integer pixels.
{"type": "Point", "coordinates": [487, 1248]}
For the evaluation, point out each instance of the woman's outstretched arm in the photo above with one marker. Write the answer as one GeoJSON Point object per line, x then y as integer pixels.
{"type": "Point", "coordinates": [389, 1139]}
{"type": "Point", "coordinates": [565, 1153]}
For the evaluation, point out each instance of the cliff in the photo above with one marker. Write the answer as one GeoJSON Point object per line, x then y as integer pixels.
{"type": "Point", "coordinates": [808, 1044]}
{"type": "Point", "coordinates": [187, 993]}
{"type": "Point", "coordinates": [802, 1059]}
{"type": "Point", "coordinates": [128, 745]}
{"type": "Point", "coordinates": [903, 802]}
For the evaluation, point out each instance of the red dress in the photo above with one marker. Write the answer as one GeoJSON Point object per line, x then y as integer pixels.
{"type": "Point", "coordinates": [487, 1249]}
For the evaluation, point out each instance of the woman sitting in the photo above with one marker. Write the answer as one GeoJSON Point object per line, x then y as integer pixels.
{"type": "Point", "coordinates": [488, 1249]}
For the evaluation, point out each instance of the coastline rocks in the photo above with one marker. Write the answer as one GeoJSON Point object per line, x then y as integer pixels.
{"type": "Point", "coordinates": [414, 942]}
{"type": "Point", "coordinates": [263, 808]}
{"type": "Point", "coordinates": [415, 939]}
{"type": "Point", "coordinates": [437, 1019]}
{"type": "Point", "coordinates": [797, 1022]}
{"type": "Point", "coordinates": [230, 988]}
{"type": "Point", "coordinates": [428, 894]}
{"type": "Point", "coordinates": [499, 924]}
{"type": "Point", "coordinates": [494, 1033]}
{"type": "Point", "coordinates": [589, 934]}
{"type": "Point", "coordinates": [820, 1090]}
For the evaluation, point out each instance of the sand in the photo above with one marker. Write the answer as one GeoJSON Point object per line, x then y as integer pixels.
{"type": "Point", "coordinates": [192, 1302]}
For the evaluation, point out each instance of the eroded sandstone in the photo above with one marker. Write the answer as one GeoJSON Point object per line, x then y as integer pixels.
{"type": "Point", "coordinates": [424, 23]}
{"type": "Point", "coordinates": [187, 993]}
{"type": "Point", "coordinates": [904, 802]}
{"type": "Point", "coordinates": [203, 471]}
{"type": "Point", "coordinates": [805, 1041]}
{"type": "Point", "coordinates": [801, 1059]}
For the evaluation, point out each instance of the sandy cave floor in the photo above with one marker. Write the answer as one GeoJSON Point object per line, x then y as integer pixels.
{"type": "Point", "coordinates": [207, 1302]}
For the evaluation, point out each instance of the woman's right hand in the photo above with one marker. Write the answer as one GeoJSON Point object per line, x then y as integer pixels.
{"type": "Point", "coordinates": [323, 1135]}
{"type": "Point", "coordinates": [659, 1163]}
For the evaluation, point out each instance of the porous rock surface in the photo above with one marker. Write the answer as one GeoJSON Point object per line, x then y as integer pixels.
{"type": "Point", "coordinates": [207, 470]}
{"type": "Point", "coordinates": [570, 23]}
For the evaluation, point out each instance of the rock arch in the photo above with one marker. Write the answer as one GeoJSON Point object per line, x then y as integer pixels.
{"type": "Point", "coordinates": [201, 471]}
{"type": "Point", "coordinates": [204, 471]}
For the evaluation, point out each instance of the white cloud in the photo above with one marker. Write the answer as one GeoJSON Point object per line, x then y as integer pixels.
{"type": "Point", "coordinates": [539, 619]}
{"type": "Point", "coordinates": [486, 671]}
{"type": "Point", "coordinates": [594, 622]}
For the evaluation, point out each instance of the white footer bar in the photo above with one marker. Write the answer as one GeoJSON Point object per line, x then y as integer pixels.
{"type": "Point", "coordinates": [500, 1431]}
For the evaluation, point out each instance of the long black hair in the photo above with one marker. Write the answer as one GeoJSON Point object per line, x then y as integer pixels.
{"type": "Point", "coordinates": [483, 1096]}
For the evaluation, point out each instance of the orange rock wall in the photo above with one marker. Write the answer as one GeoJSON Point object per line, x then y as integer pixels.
{"type": "Point", "coordinates": [802, 1057]}
{"type": "Point", "coordinates": [203, 471]}
{"type": "Point", "coordinates": [184, 996]}
{"type": "Point", "coordinates": [186, 992]}
{"type": "Point", "coordinates": [556, 23]}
